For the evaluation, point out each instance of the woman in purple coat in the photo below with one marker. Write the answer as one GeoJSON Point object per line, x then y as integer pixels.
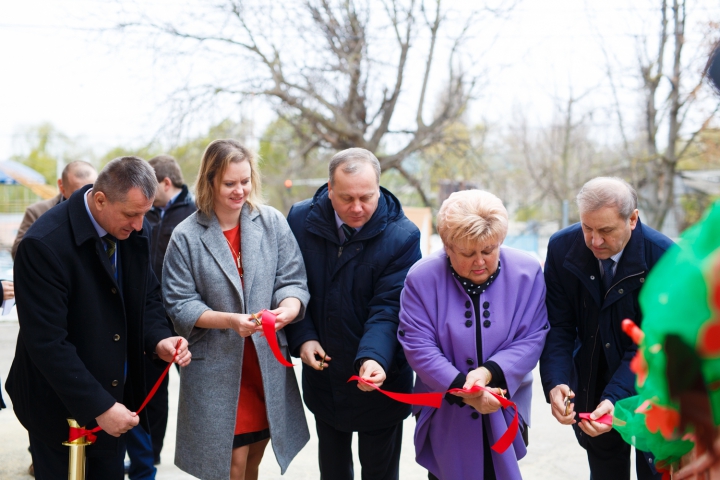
{"type": "Point", "coordinates": [473, 314]}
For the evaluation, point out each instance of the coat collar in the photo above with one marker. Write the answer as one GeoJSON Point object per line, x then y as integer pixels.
{"type": "Point", "coordinates": [581, 261]}
{"type": "Point", "coordinates": [80, 223]}
{"type": "Point", "coordinates": [251, 238]}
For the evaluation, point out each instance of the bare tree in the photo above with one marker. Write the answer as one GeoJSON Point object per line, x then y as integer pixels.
{"type": "Point", "coordinates": [672, 87]}
{"type": "Point", "coordinates": [557, 160]}
{"type": "Point", "coordinates": [338, 70]}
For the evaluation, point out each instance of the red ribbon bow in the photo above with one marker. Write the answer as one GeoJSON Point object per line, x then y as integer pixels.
{"type": "Point", "coordinates": [434, 400]}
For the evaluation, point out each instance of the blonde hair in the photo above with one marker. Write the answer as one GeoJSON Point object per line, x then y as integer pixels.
{"type": "Point", "coordinates": [218, 155]}
{"type": "Point", "coordinates": [472, 217]}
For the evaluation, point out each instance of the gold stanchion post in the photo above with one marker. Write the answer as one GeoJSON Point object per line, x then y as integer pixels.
{"type": "Point", "coordinates": [76, 467]}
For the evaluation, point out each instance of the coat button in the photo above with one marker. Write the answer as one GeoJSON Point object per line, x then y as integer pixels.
{"type": "Point", "coordinates": [486, 305]}
{"type": "Point", "coordinates": [402, 333]}
{"type": "Point", "coordinates": [115, 383]}
{"type": "Point", "coordinates": [486, 323]}
{"type": "Point", "coordinates": [475, 415]}
{"type": "Point", "coordinates": [621, 291]}
{"type": "Point", "coordinates": [116, 337]}
{"type": "Point", "coordinates": [468, 314]}
{"type": "Point", "coordinates": [607, 345]}
{"type": "Point", "coordinates": [592, 277]}
{"type": "Point", "coordinates": [467, 304]}
{"type": "Point", "coordinates": [470, 361]}
{"type": "Point", "coordinates": [546, 326]}
{"type": "Point", "coordinates": [486, 314]}
{"type": "Point", "coordinates": [642, 280]}
{"type": "Point", "coordinates": [113, 290]}
{"type": "Point", "coordinates": [468, 323]}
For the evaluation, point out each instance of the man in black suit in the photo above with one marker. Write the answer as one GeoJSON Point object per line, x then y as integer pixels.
{"type": "Point", "coordinates": [89, 308]}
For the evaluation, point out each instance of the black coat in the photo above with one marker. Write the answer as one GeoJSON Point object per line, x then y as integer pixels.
{"type": "Point", "coordinates": [78, 326]}
{"type": "Point", "coordinates": [162, 226]}
{"type": "Point", "coordinates": [583, 322]}
{"type": "Point", "coordinates": [353, 310]}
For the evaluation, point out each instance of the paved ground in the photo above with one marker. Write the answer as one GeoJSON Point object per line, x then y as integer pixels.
{"type": "Point", "coordinates": [553, 452]}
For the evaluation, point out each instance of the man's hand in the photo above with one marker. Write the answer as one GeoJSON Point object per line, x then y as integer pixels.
{"type": "Point", "coordinates": [594, 429]}
{"type": "Point", "coordinates": [309, 350]}
{"type": "Point", "coordinates": [117, 420]}
{"type": "Point", "coordinates": [8, 289]}
{"type": "Point", "coordinates": [286, 312]}
{"type": "Point", "coordinates": [372, 372]}
{"type": "Point", "coordinates": [165, 349]}
{"type": "Point", "coordinates": [484, 404]}
{"type": "Point", "coordinates": [557, 404]}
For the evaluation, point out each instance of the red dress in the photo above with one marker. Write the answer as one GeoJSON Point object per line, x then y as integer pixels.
{"type": "Point", "coordinates": [251, 413]}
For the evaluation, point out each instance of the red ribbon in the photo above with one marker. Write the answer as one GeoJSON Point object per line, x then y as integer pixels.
{"type": "Point", "coordinates": [434, 400]}
{"type": "Point", "coordinates": [606, 419]}
{"type": "Point", "coordinates": [76, 433]}
{"type": "Point", "coordinates": [268, 326]}
{"type": "Point", "coordinates": [425, 399]}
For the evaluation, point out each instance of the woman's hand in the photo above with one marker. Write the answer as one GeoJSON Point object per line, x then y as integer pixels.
{"type": "Point", "coordinates": [484, 404]}
{"type": "Point", "coordinates": [243, 324]}
{"type": "Point", "coordinates": [479, 377]}
{"type": "Point", "coordinates": [8, 288]}
{"type": "Point", "coordinates": [286, 312]}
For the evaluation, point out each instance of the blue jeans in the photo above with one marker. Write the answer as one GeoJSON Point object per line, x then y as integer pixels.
{"type": "Point", "coordinates": [140, 451]}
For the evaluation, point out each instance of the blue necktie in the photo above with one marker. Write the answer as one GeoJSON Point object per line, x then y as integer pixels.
{"type": "Point", "coordinates": [608, 274]}
{"type": "Point", "coordinates": [348, 231]}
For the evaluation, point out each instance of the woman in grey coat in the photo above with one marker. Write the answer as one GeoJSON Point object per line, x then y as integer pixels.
{"type": "Point", "coordinates": [232, 258]}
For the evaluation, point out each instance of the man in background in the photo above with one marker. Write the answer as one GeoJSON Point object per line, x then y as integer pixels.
{"type": "Point", "coordinates": [75, 175]}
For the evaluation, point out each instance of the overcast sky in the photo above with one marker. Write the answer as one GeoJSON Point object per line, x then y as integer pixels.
{"type": "Point", "coordinates": [106, 92]}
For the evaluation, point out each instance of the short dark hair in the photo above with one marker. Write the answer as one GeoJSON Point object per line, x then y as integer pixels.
{"type": "Point", "coordinates": [123, 174]}
{"type": "Point", "coordinates": [78, 169]}
{"type": "Point", "coordinates": [166, 166]}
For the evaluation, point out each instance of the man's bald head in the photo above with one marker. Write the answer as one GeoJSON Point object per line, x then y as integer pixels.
{"type": "Point", "coordinates": [75, 175]}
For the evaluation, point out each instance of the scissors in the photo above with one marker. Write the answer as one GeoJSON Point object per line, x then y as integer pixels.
{"type": "Point", "coordinates": [567, 405]}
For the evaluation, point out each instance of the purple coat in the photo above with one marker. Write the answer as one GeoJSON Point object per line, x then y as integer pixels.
{"type": "Point", "coordinates": [438, 345]}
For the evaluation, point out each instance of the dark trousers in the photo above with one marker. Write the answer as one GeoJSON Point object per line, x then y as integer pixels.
{"type": "Point", "coordinates": [609, 457]}
{"type": "Point", "coordinates": [378, 450]}
{"type": "Point", "coordinates": [51, 462]}
{"type": "Point", "coordinates": [139, 449]}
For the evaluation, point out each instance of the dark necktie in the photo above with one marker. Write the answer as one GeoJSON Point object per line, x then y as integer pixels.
{"type": "Point", "coordinates": [608, 274]}
{"type": "Point", "coordinates": [348, 231]}
{"type": "Point", "coordinates": [110, 247]}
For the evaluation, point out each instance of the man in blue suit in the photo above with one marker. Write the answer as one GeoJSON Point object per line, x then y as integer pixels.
{"type": "Point", "coordinates": [358, 246]}
{"type": "Point", "coordinates": [594, 272]}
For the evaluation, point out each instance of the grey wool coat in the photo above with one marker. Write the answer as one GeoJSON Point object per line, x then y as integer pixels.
{"type": "Point", "coordinates": [199, 274]}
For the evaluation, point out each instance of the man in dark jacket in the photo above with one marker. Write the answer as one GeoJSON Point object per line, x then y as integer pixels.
{"type": "Point", "coordinates": [594, 272]}
{"type": "Point", "coordinates": [89, 307]}
{"type": "Point", "coordinates": [358, 247]}
{"type": "Point", "coordinates": [173, 203]}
